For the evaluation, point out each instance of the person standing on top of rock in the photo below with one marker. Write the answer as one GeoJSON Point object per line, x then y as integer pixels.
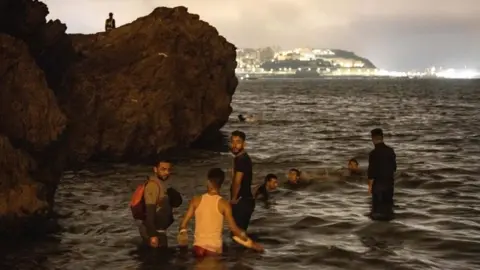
{"type": "Point", "coordinates": [110, 22]}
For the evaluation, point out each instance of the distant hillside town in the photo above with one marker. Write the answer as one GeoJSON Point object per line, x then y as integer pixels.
{"type": "Point", "coordinates": [301, 62]}
{"type": "Point", "coordinates": [310, 63]}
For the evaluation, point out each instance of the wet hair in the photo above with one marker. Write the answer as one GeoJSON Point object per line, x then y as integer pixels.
{"type": "Point", "coordinates": [353, 160]}
{"type": "Point", "coordinates": [216, 176]}
{"type": "Point", "coordinates": [162, 160]}
{"type": "Point", "coordinates": [377, 133]}
{"type": "Point", "coordinates": [270, 176]}
{"type": "Point", "coordinates": [240, 134]}
{"type": "Point", "coordinates": [296, 171]}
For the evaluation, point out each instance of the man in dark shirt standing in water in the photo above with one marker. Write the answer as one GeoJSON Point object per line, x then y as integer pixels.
{"type": "Point", "coordinates": [382, 166]}
{"type": "Point", "coordinates": [242, 199]}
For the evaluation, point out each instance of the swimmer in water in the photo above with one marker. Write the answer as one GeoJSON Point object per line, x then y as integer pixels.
{"type": "Point", "coordinates": [209, 210]}
{"type": "Point", "coordinates": [263, 191]}
{"type": "Point", "coordinates": [247, 118]}
{"type": "Point", "coordinates": [354, 169]}
{"type": "Point", "coordinates": [241, 118]}
{"type": "Point", "coordinates": [296, 179]}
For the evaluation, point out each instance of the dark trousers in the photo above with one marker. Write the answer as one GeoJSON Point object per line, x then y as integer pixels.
{"type": "Point", "coordinates": [242, 212]}
{"type": "Point", "coordinates": [382, 203]}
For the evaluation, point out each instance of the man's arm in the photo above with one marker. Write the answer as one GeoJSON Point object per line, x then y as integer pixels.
{"type": "Point", "coordinates": [152, 196]}
{"type": "Point", "coordinates": [255, 191]}
{"type": "Point", "coordinates": [106, 25]}
{"type": "Point", "coordinates": [394, 161]}
{"type": "Point", "coordinates": [370, 172]}
{"type": "Point", "coordinates": [113, 23]}
{"type": "Point", "coordinates": [237, 181]}
{"type": "Point", "coordinates": [188, 215]}
{"type": "Point", "coordinates": [240, 167]}
{"type": "Point", "coordinates": [226, 210]}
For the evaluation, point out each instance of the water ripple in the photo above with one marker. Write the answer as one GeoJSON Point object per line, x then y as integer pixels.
{"type": "Point", "coordinates": [433, 126]}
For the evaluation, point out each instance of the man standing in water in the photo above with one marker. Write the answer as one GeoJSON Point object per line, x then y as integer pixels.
{"type": "Point", "coordinates": [382, 166]}
{"type": "Point", "coordinates": [158, 206]}
{"type": "Point", "coordinates": [242, 199]}
{"type": "Point", "coordinates": [210, 210]}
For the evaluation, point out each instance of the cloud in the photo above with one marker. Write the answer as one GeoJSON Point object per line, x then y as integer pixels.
{"type": "Point", "coordinates": [383, 30]}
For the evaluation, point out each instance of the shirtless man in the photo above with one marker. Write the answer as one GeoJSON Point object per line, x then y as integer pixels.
{"type": "Point", "coordinates": [209, 210]}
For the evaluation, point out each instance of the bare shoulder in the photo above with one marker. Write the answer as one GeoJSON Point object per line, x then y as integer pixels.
{"type": "Point", "coordinates": [196, 200]}
{"type": "Point", "coordinates": [223, 204]}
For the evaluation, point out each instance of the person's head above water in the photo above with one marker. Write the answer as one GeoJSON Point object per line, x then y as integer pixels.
{"type": "Point", "coordinates": [241, 118]}
{"type": "Point", "coordinates": [163, 169]}
{"type": "Point", "coordinates": [110, 15]}
{"type": "Point", "coordinates": [293, 175]}
{"type": "Point", "coordinates": [215, 177]}
{"type": "Point", "coordinates": [271, 181]}
{"type": "Point", "coordinates": [377, 135]}
{"type": "Point", "coordinates": [237, 142]}
{"type": "Point", "coordinates": [353, 165]}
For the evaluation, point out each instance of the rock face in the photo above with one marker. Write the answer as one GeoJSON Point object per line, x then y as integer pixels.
{"type": "Point", "coordinates": [160, 82]}
{"type": "Point", "coordinates": [156, 83]}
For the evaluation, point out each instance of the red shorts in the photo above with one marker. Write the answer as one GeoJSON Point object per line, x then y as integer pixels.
{"type": "Point", "coordinates": [201, 252]}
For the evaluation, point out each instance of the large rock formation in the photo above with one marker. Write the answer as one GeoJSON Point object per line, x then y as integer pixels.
{"type": "Point", "coordinates": [160, 82]}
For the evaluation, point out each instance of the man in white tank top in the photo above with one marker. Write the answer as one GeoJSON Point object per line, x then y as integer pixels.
{"type": "Point", "coordinates": [209, 211]}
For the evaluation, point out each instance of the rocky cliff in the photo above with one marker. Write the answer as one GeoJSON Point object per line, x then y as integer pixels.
{"type": "Point", "coordinates": [160, 82]}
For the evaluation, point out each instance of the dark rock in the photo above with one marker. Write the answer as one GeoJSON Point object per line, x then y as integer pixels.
{"type": "Point", "coordinates": [160, 82]}
{"type": "Point", "coordinates": [47, 41]}
{"type": "Point", "coordinates": [30, 121]}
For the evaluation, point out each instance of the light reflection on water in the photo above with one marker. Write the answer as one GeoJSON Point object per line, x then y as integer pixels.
{"type": "Point", "coordinates": [433, 126]}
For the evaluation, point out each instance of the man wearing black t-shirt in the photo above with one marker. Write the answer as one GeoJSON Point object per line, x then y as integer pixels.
{"type": "Point", "coordinates": [382, 165]}
{"type": "Point", "coordinates": [242, 199]}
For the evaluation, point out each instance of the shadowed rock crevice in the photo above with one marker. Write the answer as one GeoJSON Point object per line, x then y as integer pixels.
{"type": "Point", "coordinates": [164, 81]}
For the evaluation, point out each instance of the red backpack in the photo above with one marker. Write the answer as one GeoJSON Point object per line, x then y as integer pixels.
{"type": "Point", "coordinates": [137, 202]}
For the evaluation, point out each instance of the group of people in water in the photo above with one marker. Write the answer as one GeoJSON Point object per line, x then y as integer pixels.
{"type": "Point", "coordinates": [211, 209]}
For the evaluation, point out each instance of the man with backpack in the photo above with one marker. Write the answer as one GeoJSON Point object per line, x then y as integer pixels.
{"type": "Point", "coordinates": [152, 205]}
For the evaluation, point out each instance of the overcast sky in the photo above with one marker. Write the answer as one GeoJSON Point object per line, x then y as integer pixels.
{"type": "Point", "coordinates": [394, 34]}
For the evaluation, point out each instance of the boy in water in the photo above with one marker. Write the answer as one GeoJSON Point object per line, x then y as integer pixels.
{"type": "Point", "coordinates": [295, 179]}
{"type": "Point", "coordinates": [353, 168]}
{"type": "Point", "coordinates": [209, 210]}
{"type": "Point", "coordinates": [263, 191]}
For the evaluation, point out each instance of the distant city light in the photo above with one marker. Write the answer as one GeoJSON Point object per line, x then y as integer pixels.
{"type": "Point", "coordinates": [327, 62]}
{"type": "Point", "coordinates": [458, 74]}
